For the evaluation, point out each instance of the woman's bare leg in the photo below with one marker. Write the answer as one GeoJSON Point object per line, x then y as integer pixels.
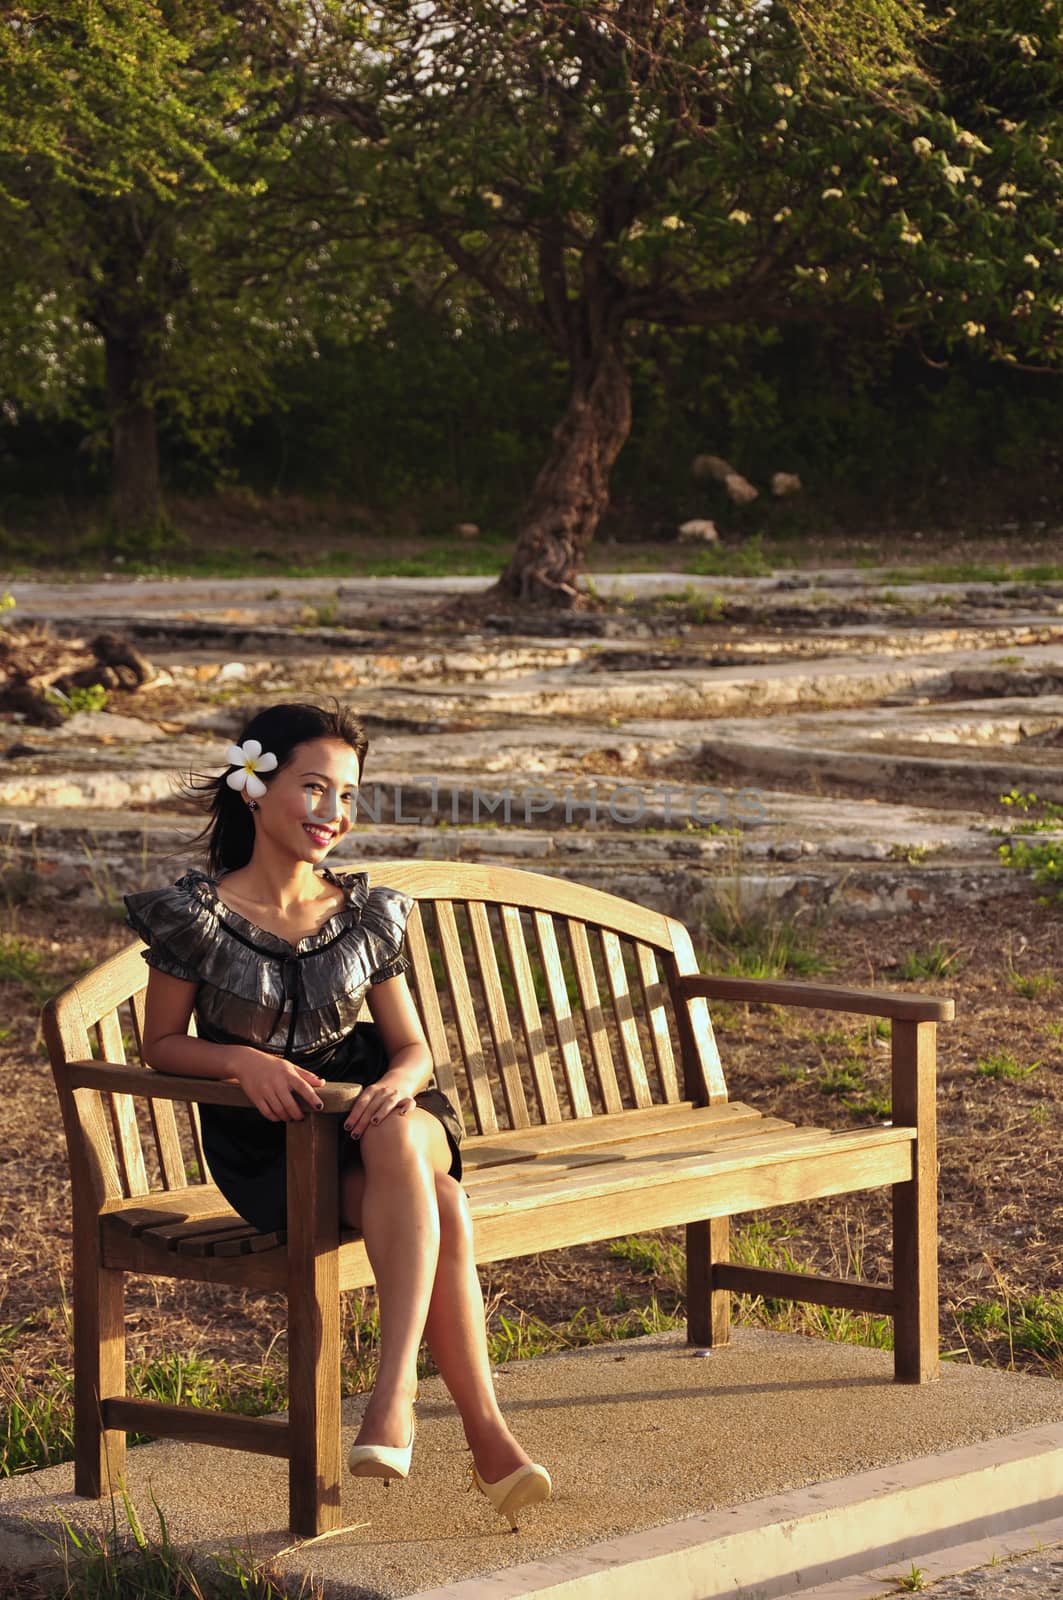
{"type": "Point", "coordinates": [457, 1337]}
{"type": "Point", "coordinates": [393, 1200]}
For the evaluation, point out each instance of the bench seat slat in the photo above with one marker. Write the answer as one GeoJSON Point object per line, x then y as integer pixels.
{"type": "Point", "coordinates": [677, 1140]}
{"type": "Point", "coordinates": [644, 1171]}
{"type": "Point", "coordinates": [514, 1143]}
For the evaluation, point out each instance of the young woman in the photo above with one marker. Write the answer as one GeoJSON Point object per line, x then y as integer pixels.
{"type": "Point", "coordinates": [274, 953]}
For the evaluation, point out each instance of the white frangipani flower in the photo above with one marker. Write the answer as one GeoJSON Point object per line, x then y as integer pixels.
{"type": "Point", "coordinates": [921, 145]}
{"type": "Point", "coordinates": [249, 760]}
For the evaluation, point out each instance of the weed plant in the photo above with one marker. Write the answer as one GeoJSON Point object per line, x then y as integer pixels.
{"type": "Point", "coordinates": [126, 1563]}
{"type": "Point", "coordinates": [935, 961]}
{"type": "Point", "coordinates": [1003, 1065]}
{"type": "Point", "coordinates": [749, 940]}
{"type": "Point", "coordinates": [762, 1244]}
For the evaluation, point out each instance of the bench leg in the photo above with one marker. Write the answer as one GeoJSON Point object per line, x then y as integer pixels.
{"type": "Point", "coordinates": [915, 1224]}
{"type": "Point", "coordinates": [99, 1372]}
{"type": "Point", "coordinates": [313, 1327]}
{"type": "Point", "coordinates": [708, 1308]}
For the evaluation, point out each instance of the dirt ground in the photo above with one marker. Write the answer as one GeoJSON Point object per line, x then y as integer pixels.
{"type": "Point", "coordinates": [1001, 1164]}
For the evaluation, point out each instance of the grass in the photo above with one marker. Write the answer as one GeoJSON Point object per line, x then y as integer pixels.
{"type": "Point", "coordinates": [1030, 1324]}
{"type": "Point", "coordinates": [913, 1580]}
{"type": "Point", "coordinates": [936, 960]}
{"type": "Point", "coordinates": [762, 1244]}
{"type": "Point", "coordinates": [1003, 1065]}
{"type": "Point", "coordinates": [126, 1563]}
{"type": "Point", "coordinates": [741, 939]}
{"type": "Point", "coordinates": [977, 572]}
{"type": "Point", "coordinates": [21, 963]}
{"type": "Point", "coordinates": [37, 1412]}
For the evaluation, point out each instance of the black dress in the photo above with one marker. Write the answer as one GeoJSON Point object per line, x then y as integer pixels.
{"type": "Point", "coordinates": [297, 1001]}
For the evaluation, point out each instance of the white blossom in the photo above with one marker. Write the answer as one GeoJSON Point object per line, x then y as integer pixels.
{"type": "Point", "coordinates": [888, 181]}
{"type": "Point", "coordinates": [973, 329]}
{"type": "Point", "coordinates": [741, 217]}
{"type": "Point", "coordinates": [953, 174]}
{"type": "Point", "coordinates": [249, 759]}
{"type": "Point", "coordinates": [1031, 260]}
{"type": "Point", "coordinates": [671, 222]}
{"type": "Point", "coordinates": [921, 145]}
{"type": "Point", "coordinates": [832, 194]}
{"type": "Point", "coordinates": [781, 216]}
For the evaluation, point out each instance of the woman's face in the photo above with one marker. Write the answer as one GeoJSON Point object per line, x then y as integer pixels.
{"type": "Point", "coordinates": [309, 805]}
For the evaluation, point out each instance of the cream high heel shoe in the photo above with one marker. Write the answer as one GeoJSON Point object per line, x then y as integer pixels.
{"type": "Point", "coordinates": [525, 1487]}
{"type": "Point", "coordinates": [382, 1460]}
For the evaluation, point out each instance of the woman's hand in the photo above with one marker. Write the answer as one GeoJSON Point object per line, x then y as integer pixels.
{"type": "Point", "coordinates": [393, 1092]}
{"type": "Point", "coordinates": [274, 1086]}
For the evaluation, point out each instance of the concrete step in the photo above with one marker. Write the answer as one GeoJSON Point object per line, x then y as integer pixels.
{"type": "Point", "coordinates": [770, 1465]}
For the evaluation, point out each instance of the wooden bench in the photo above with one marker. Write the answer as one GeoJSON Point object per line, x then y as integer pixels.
{"type": "Point", "coordinates": [573, 1029]}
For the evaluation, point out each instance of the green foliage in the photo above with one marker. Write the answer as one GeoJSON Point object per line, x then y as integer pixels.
{"type": "Point", "coordinates": [937, 960]}
{"type": "Point", "coordinates": [1043, 861]}
{"type": "Point", "coordinates": [22, 963]}
{"type": "Point", "coordinates": [37, 1419]}
{"type": "Point", "coordinates": [1003, 1064]}
{"type": "Point", "coordinates": [912, 1581]}
{"type": "Point", "coordinates": [1032, 1324]}
{"type": "Point", "coordinates": [91, 698]}
{"type": "Point", "coordinates": [751, 940]}
{"type": "Point", "coordinates": [126, 1563]}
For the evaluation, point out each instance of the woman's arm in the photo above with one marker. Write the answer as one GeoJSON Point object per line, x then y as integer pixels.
{"type": "Point", "coordinates": [274, 1086]}
{"type": "Point", "coordinates": [409, 1058]}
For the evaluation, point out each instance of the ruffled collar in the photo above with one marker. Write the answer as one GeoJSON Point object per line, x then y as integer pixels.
{"type": "Point", "coordinates": [355, 887]}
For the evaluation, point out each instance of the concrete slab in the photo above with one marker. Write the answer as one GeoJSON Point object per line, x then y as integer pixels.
{"type": "Point", "coordinates": [779, 1455]}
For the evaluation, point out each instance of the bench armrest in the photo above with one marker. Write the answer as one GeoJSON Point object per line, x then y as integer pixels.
{"type": "Point", "coordinates": [150, 1085]}
{"type": "Point", "coordinates": [867, 1002]}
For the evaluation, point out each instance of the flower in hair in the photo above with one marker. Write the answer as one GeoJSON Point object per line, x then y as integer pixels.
{"type": "Point", "coordinates": [249, 759]}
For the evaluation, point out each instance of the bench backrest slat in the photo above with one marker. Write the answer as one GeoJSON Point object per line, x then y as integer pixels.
{"type": "Point", "coordinates": [465, 1016]}
{"type": "Point", "coordinates": [164, 1117]}
{"type": "Point", "coordinates": [594, 1017]}
{"type": "Point", "coordinates": [543, 1002]}
{"type": "Point", "coordinates": [561, 1011]}
{"type": "Point", "coordinates": [498, 1016]}
{"type": "Point", "coordinates": [427, 997]}
{"type": "Point", "coordinates": [655, 994]}
{"type": "Point", "coordinates": [127, 1145]}
{"type": "Point", "coordinates": [625, 1019]}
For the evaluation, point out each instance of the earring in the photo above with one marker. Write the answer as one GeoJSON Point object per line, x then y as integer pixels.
{"type": "Point", "coordinates": [252, 805]}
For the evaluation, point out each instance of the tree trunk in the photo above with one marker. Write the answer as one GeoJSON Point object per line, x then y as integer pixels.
{"type": "Point", "coordinates": [571, 491]}
{"type": "Point", "coordinates": [136, 488]}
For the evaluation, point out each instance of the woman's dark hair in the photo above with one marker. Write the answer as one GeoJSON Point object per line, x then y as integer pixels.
{"type": "Point", "coordinates": [230, 834]}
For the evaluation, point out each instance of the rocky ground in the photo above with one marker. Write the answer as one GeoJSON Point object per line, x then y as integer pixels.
{"type": "Point", "coordinates": [813, 758]}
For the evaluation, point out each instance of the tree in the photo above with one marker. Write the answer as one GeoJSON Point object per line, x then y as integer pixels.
{"type": "Point", "coordinates": [140, 144]}
{"type": "Point", "coordinates": [595, 166]}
